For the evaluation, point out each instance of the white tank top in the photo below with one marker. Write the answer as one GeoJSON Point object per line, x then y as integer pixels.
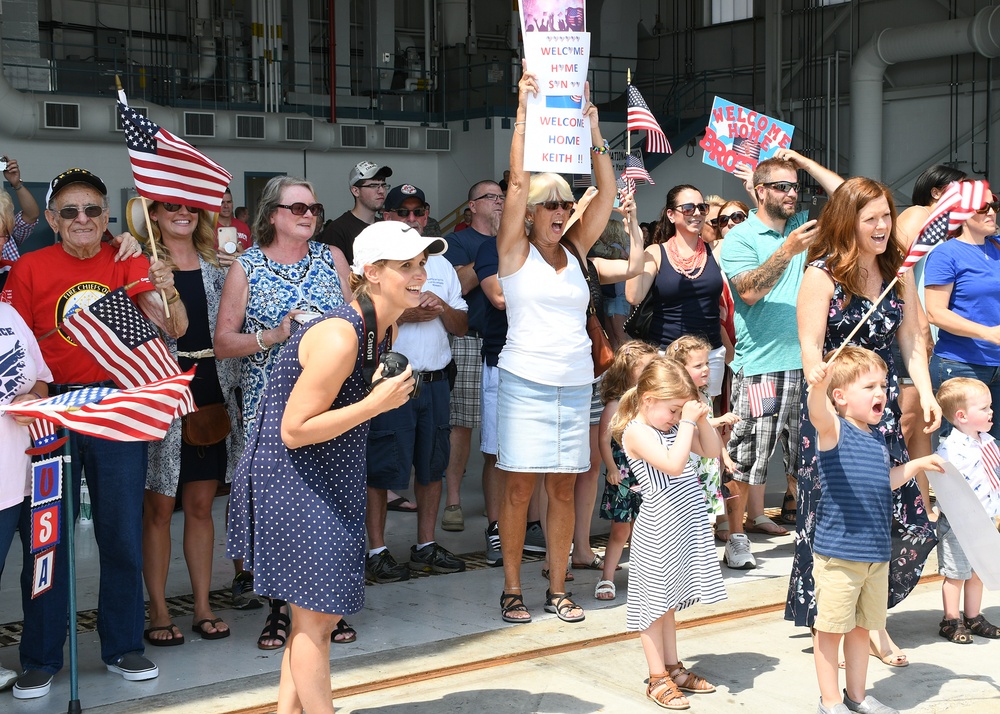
{"type": "Point", "coordinates": [547, 338]}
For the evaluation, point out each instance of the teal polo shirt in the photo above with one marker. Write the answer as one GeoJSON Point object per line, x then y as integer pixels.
{"type": "Point", "coordinates": [767, 334]}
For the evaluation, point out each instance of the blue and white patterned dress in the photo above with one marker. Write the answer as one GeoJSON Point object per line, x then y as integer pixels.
{"type": "Point", "coordinates": [275, 288]}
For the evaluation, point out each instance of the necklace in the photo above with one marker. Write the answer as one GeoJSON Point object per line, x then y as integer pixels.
{"type": "Point", "coordinates": [690, 267]}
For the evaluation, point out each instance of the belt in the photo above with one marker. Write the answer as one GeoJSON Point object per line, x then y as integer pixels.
{"type": "Point", "coordinates": [55, 389]}
{"type": "Point", "coordinates": [472, 333]}
{"type": "Point", "coordinates": [200, 354]}
{"type": "Point", "coordinates": [435, 376]}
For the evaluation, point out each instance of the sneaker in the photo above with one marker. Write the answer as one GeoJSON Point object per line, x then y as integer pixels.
{"type": "Point", "coordinates": [383, 568]}
{"type": "Point", "coordinates": [494, 556]}
{"type": "Point", "coordinates": [32, 684]}
{"type": "Point", "coordinates": [7, 677]}
{"type": "Point", "coordinates": [534, 539]}
{"type": "Point", "coordinates": [835, 709]}
{"type": "Point", "coordinates": [738, 555]}
{"type": "Point", "coordinates": [870, 705]}
{"type": "Point", "coordinates": [453, 519]}
{"type": "Point", "coordinates": [244, 598]}
{"type": "Point", "coordinates": [134, 667]}
{"type": "Point", "coordinates": [435, 559]}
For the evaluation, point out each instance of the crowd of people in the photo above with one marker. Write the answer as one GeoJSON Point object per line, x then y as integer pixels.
{"type": "Point", "coordinates": [334, 363]}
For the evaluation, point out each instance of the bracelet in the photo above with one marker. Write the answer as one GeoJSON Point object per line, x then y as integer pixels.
{"type": "Point", "coordinates": [521, 133]}
{"type": "Point", "coordinates": [260, 341]}
{"type": "Point", "coordinates": [600, 150]}
{"type": "Point", "coordinates": [18, 187]}
{"type": "Point", "coordinates": [688, 421]}
{"type": "Point", "coordinates": [174, 298]}
{"type": "Point", "coordinates": [36, 395]}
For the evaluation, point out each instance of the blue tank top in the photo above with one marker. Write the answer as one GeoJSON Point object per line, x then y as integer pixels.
{"type": "Point", "coordinates": [683, 306]}
{"type": "Point", "coordinates": [854, 514]}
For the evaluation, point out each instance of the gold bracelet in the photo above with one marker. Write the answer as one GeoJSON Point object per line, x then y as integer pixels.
{"type": "Point", "coordinates": [174, 298]}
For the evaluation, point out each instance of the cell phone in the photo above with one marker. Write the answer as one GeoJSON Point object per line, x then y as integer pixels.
{"type": "Point", "coordinates": [3, 163]}
{"type": "Point", "coordinates": [618, 200]}
{"type": "Point", "coordinates": [304, 317]}
{"type": "Point", "coordinates": [816, 206]}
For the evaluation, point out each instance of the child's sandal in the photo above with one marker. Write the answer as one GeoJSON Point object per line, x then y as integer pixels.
{"type": "Point", "coordinates": [955, 631]}
{"type": "Point", "coordinates": [664, 692]}
{"type": "Point", "coordinates": [981, 626]}
{"type": "Point", "coordinates": [688, 681]}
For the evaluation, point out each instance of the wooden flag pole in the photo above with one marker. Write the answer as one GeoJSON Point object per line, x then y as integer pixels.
{"type": "Point", "coordinates": [152, 248]}
{"type": "Point", "coordinates": [628, 132]}
{"type": "Point", "coordinates": [864, 319]}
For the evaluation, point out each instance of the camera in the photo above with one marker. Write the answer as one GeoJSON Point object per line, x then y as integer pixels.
{"type": "Point", "coordinates": [394, 363]}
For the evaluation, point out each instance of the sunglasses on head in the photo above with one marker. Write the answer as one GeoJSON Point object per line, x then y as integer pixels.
{"type": "Point", "coordinates": [688, 209]}
{"type": "Point", "coordinates": [994, 204]}
{"type": "Point", "coordinates": [782, 186]}
{"type": "Point", "coordinates": [722, 221]}
{"type": "Point", "coordinates": [405, 212]}
{"type": "Point", "coordinates": [554, 205]}
{"type": "Point", "coordinates": [174, 207]}
{"type": "Point", "coordinates": [299, 208]}
{"type": "Point", "coordinates": [71, 212]}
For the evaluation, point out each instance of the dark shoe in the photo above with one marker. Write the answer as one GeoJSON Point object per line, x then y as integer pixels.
{"type": "Point", "coordinates": [981, 626]}
{"type": "Point", "coordinates": [435, 559]}
{"type": "Point", "coordinates": [788, 512]}
{"type": "Point", "coordinates": [199, 629]}
{"type": "Point", "coordinates": [383, 568]}
{"type": "Point", "coordinates": [244, 598]}
{"type": "Point", "coordinates": [32, 684]}
{"type": "Point", "coordinates": [275, 627]}
{"type": "Point", "coordinates": [494, 555]}
{"type": "Point", "coordinates": [345, 632]}
{"type": "Point", "coordinates": [955, 631]}
{"type": "Point", "coordinates": [534, 539]}
{"type": "Point", "coordinates": [176, 638]}
{"type": "Point", "coordinates": [134, 667]}
{"type": "Point", "coordinates": [402, 505]}
{"type": "Point", "coordinates": [561, 605]}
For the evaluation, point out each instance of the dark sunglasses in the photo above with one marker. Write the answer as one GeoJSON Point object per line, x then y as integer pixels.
{"type": "Point", "coordinates": [494, 197]}
{"type": "Point", "coordinates": [688, 209]}
{"type": "Point", "coordinates": [723, 221]}
{"type": "Point", "coordinates": [174, 207]}
{"type": "Point", "coordinates": [405, 212]}
{"type": "Point", "coordinates": [299, 208]}
{"type": "Point", "coordinates": [555, 205]}
{"type": "Point", "coordinates": [71, 212]}
{"type": "Point", "coordinates": [994, 204]}
{"type": "Point", "coordinates": [782, 186]}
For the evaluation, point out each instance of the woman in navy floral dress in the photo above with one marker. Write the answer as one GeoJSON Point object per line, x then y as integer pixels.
{"type": "Point", "coordinates": [851, 265]}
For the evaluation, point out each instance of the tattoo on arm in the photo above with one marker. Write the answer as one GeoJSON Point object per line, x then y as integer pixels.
{"type": "Point", "coordinates": [765, 277]}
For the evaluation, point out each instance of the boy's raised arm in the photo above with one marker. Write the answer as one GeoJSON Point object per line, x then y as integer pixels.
{"type": "Point", "coordinates": [821, 412]}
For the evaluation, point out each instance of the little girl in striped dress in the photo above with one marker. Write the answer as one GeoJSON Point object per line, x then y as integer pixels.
{"type": "Point", "coordinates": [663, 426]}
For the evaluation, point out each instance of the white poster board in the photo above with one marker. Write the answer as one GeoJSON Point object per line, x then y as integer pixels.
{"type": "Point", "coordinates": [975, 530]}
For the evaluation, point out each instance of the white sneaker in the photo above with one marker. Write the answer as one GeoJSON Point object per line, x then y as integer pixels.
{"type": "Point", "coordinates": [738, 555]}
{"type": "Point", "coordinates": [7, 677]}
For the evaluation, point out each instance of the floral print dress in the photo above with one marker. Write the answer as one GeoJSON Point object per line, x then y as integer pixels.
{"type": "Point", "coordinates": [912, 533]}
{"type": "Point", "coordinates": [710, 476]}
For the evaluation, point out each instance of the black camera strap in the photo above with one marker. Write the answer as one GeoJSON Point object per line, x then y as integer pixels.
{"type": "Point", "coordinates": [369, 336]}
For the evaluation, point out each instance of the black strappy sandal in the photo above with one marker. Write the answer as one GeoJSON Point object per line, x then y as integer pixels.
{"type": "Point", "coordinates": [513, 602]}
{"type": "Point", "coordinates": [346, 633]}
{"type": "Point", "coordinates": [276, 627]}
{"type": "Point", "coordinates": [560, 604]}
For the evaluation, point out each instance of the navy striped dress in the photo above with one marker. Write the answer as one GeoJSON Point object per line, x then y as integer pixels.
{"type": "Point", "coordinates": [672, 561]}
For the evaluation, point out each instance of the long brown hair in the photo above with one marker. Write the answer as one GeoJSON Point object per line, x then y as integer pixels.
{"type": "Point", "coordinates": [661, 379]}
{"type": "Point", "coordinates": [665, 228]}
{"type": "Point", "coordinates": [838, 242]}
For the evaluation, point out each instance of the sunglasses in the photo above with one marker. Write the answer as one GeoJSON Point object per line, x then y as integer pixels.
{"type": "Point", "coordinates": [688, 209]}
{"type": "Point", "coordinates": [994, 204]}
{"type": "Point", "coordinates": [299, 208]}
{"type": "Point", "coordinates": [782, 186]}
{"type": "Point", "coordinates": [71, 212]}
{"type": "Point", "coordinates": [494, 197]}
{"type": "Point", "coordinates": [174, 207]}
{"type": "Point", "coordinates": [406, 212]}
{"type": "Point", "coordinates": [555, 205]}
{"type": "Point", "coordinates": [723, 221]}
{"type": "Point", "coordinates": [377, 186]}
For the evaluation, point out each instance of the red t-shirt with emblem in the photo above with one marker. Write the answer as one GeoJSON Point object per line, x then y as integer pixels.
{"type": "Point", "coordinates": [46, 285]}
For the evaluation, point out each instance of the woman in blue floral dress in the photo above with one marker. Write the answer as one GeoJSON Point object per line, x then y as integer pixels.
{"type": "Point", "coordinates": [851, 264]}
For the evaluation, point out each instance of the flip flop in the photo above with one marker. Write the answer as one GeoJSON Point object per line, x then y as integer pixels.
{"type": "Point", "coordinates": [198, 629]}
{"type": "Point", "coordinates": [176, 638]}
{"type": "Point", "coordinates": [596, 564]}
{"type": "Point", "coordinates": [763, 525]}
{"type": "Point", "coordinates": [396, 504]}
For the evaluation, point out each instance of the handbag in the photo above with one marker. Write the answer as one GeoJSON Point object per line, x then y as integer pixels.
{"type": "Point", "coordinates": [207, 426]}
{"type": "Point", "coordinates": [637, 323]}
{"type": "Point", "coordinates": [600, 346]}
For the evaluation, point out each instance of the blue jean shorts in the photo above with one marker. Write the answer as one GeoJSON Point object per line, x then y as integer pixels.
{"type": "Point", "coordinates": [541, 428]}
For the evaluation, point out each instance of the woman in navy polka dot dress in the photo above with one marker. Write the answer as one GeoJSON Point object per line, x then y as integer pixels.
{"type": "Point", "coordinates": [300, 525]}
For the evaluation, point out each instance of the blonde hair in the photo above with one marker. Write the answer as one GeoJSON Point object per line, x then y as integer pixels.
{"type": "Point", "coordinates": [850, 364]}
{"type": "Point", "coordinates": [954, 394]}
{"type": "Point", "coordinates": [680, 349]}
{"type": "Point", "coordinates": [661, 379]}
{"type": "Point", "coordinates": [619, 376]}
{"type": "Point", "coordinates": [203, 238]}
{"type": "Point", "coordinates": [6, 214]}
{"type": "Point", "coordinates": [548, 187]}
{"type": "Point", "coordinates": [714, 199]}
{"type": "Point", "coordinates": [359, 283]}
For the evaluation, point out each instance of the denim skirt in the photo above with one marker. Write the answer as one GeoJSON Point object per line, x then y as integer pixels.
{"type": "Point", "coordinates": [541, 428]}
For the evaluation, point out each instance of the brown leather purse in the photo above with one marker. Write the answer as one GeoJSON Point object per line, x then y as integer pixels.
{"type": "Point", "coordinates": [207, 426]}
{"type": "Point", "coordinates": [600, 345]}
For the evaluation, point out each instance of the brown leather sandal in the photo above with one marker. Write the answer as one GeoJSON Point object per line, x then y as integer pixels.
{"type": "Point", "coordinates": [663, 691]}
{"type": "Point", "coordinates": [981, 626]}
{"type": "Point", "coordinates": [955, 631]}
{"type": "Point", "coordinates": [688, 681]}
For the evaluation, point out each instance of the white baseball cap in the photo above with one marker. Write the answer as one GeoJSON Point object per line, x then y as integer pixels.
{"type": "Point", "coordinates": [392, 240]}
{"type": "Point", "coordinates": [366, 170]}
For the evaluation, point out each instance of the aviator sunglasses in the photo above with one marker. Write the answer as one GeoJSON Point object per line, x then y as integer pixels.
{"type": "Point", "coordinates": [721, 221]}
{"type": "Point", "coordinates": [71, 212]}
{"type": "Point", "coordinates": [299, 208]}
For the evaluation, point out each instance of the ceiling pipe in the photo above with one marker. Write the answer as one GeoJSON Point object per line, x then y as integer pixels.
{"type": "Point", "coordinates": [208, 55]}
{"type": "Point", "coordinates": [980, 33]}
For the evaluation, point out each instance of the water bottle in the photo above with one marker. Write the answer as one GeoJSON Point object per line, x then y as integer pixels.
{"type": "Point", "coordinates": [86, 514]}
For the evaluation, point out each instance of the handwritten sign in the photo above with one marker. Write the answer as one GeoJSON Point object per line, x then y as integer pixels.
{"type": "Point", "coordinates": [738, 136]}
{"type": "Point", "coordinates": [557, 134]}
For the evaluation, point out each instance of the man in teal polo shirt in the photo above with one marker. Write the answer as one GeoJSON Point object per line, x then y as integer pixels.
{"type": "Point", "coordinates": [764, 258]}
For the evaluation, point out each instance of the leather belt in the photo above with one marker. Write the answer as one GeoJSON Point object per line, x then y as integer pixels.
{"type": "Point", "coordinates": [55, 389]}
{"type": "Point", "coordinates": [435, 376]}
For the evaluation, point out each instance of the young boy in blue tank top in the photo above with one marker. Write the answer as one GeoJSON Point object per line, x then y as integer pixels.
{"type": "Point", "coordinates": [852, 544]}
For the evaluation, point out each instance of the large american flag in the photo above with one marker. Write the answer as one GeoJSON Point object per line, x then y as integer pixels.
{"type": "Point", "coordinates": [122, 340]}
{"type": "Point", "coordinates": [958, 203]}
{"type": "Point", "coordinates": [641, 119]}
{"type": "Point", "coordinates": [991, 462]}
{"type": "Point", "coordinates": [763, 399]}
{"type": "Point", "coordinates": [167, 168]}
{"type": "Point", "coordinates": [140, 414]}
{"type": "Point", "coordinates": [635, 170]}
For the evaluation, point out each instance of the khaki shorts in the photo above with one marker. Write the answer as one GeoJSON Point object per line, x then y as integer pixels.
{"type": "Point", "coordinates": [850, 594]}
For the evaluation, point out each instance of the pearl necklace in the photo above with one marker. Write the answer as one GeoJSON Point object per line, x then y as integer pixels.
{"type": "Point", "coordinates": [692, 266]}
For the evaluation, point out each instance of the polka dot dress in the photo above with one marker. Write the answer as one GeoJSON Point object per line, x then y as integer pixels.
{"type": "Point", "coordinates": [297, 516]}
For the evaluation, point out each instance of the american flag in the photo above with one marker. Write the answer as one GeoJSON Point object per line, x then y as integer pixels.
{"type": "Point", "coordinates": [43, 438]}
{"type": "Point", "coordinates": [625, 184]}
{"type": "Point", "coordinates": [930, 235]}
{"type": "Point", "coordinates": [641, 119]}
{"type": "Point", "coordinates": [167, 168]}
{"type": "Point", "coordinates": [958, 203]}
{"type": "Point", "coordinates": [581, 181]}
{"type": "Point", "coordinates": [763, 399]}
{"type": "Point", "coordinates": [122, 341]}
{"type": "Point", "coordinates": [140, 414]}
{"type": "Point", "coordinates": [991, 462]}
{"type": "Point", "coordinates": [635, 170]}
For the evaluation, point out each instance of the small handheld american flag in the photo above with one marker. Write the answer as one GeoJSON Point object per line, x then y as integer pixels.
{"type": "Point", "coordinates": [641, 119]}
{"type": "Point", "coordinates": [635, 170]}
{"type": "Point", "coordinates": [763, 399]}
{"type": "Point", "coordinates": [991, 462]}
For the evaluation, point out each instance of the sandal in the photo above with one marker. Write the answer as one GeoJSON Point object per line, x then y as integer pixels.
{"type": "Point", "coordinates": [569, 575]}
{"type": "Point", "coordinates": [722, 530]}
{"type": "Point", "coordinates": [199, 629]}
{"type": "Point", "coordinates": [513, 602]}
{"type": "Point", "coordinates": [691, 682]}
{"type": "Point", "coordinates": [345, 632]}
{"type": "Point", "coordinates": [275, 628]}
{"type": "Point", "coordinates": [561, 605]}
{"type": "Point", "coordinates": [176, 636]}
{"type": "Point", "coordinates": [764, 526]}
{"type": "Point", "coordinates": [981, 626]}
{"type": "Point", "coordinates": [891, 658]}
{"type": "Point", "coordinates": [955, 631]}
{"type": "Point", "coordinates": [788, 514]}
{"type": "Point", "coordinates": [663, 691]}
{"type": "Point", "coordinates": [605, 587]}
